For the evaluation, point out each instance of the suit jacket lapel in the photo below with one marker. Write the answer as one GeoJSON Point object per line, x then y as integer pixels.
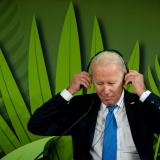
{"type": "Point", "coordinates": [130, 105]}
{"type": "Point", "coordinates": [92, 118]}
{"type": "Point", "coordinates": [131, 109]}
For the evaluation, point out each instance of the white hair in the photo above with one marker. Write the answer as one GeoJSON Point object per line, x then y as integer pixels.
{"type": "Point", "coordinates": [108, 57]}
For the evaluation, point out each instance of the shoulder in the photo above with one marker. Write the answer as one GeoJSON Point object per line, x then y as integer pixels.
{"type": "Point", "coordinates": [151, 100]}
{"type": "Point", "coordinates": [130, 96]}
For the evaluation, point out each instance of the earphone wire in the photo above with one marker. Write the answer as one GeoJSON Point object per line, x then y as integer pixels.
{"type": "Point", "coordinates": [55, 139]}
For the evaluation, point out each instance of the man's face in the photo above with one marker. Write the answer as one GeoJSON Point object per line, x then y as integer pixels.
{"type": "Point", "coordinates": [108, 82]}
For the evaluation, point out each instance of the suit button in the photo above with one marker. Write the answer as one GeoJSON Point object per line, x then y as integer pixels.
{"type": "Point", "coordinates": [152, 102]}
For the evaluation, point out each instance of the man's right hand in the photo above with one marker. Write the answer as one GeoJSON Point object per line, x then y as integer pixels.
{"type": "Point", "coordinates": [79, 80]}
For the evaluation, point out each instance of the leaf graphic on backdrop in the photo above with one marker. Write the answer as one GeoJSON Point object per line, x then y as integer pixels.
{"type": "Point", "coordinates": [3, 111]}
{"type": "Point", "coordinates": [8, 11]}
{"type": "Point", "coordinates": [39, 88]}
{"type": "Point", "coordinates": [156, 146]}
{"type": "Point", "coordinates": [154, 88]}
{"type": "Point", "coordinates": [97, 43]}
{"type": "Point", "coordinates": [8, 140]}
{"type": "Point", "coordinates": [60, 148]}
{"type": "Point", "coordinates": [157, 68]}
{"type": "Point", "coordinates": [15, 105]}
{"type": "Point", "coordinates": [12, 36]}
{"type": "Point", "coordinates": [96, 46]}
{"type": "Point", "coordinates": [68, 60]}
{"type": "Point", "coordinates": [152, 82]}
{"type": "Point", "coordinates": [133, 63]}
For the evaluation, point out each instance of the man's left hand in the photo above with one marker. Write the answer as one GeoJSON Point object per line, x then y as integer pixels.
{"type": "Point", "coordinates": [137, 80]}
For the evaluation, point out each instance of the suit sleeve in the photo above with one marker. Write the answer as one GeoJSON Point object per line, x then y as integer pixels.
{"type": "Point", "coordinates": [52, 118]}
{"type": "Point", "coordinates": [153, 106]}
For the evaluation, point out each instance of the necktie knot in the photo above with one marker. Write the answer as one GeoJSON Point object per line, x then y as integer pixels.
{"type": "Point", "coordinates": [111, 108]}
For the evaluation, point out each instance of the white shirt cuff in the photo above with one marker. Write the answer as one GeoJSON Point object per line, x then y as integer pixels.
{"type": "Point", "coordinates": [66, 95]}
{"type": "Point", "coordinates": [144, 95]}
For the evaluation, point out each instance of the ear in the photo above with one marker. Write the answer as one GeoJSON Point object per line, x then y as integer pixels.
{"type": "Point", "coordinates": [90, 75]}
{"type": "Point", "coordinates": [124, 78]}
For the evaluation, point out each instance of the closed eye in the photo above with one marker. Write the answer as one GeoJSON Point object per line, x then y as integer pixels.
{"type": "Point", "coordinates": [99, 83]}
{"type": "Point", "coordinates": [111, 83]}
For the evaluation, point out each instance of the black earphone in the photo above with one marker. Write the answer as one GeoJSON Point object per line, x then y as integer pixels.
{"type": "Point", "coordinates": [110, 50]}
{"type": "Point", "coordinates": [114, 51]}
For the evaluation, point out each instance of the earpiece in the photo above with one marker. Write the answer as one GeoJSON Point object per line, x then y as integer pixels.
{"type": "Point", "coordinates": [89, 64]}
{"type": "Point", "coordinates": [111, 50]}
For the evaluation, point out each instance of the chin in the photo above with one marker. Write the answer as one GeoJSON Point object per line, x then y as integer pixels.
{"type": "Point", "coordinates": [108, 103]}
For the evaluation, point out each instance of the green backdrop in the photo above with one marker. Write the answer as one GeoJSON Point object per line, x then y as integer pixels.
{"type": "Point", "coordinates": [121, 22]}
{"type": "Point", "coordinates": [132, 27]}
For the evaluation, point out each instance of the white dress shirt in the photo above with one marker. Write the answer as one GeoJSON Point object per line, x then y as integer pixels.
{"type": "Point", "coordinates": [126, 149]}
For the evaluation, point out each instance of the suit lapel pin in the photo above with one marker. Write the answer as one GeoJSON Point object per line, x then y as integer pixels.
{"type": "Point", "coordinates": [132, 102]}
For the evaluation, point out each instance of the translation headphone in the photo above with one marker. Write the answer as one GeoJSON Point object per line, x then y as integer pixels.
{"type": "Point", "coordinates": [112, 51]}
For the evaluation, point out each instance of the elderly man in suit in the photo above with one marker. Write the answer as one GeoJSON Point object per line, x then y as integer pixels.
{"type": "Point", "coordinates": [111, 124]}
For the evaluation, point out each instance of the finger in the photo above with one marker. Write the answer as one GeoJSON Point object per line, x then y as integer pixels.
{"type": "Point", "coordinates": [132, 74]}
{"type": "Point", "coordinates": [86, 73]}
{"type": "Point", "coordinates": [86, 77]}
{"type": "Point", "coordinates": [86, 81]}
{"type": "Point", "coordinates": [129, 79]}
{"type": "Point", "coordinates": [85, 84]}
{"type": "Point", "coordinates": [134, 71]}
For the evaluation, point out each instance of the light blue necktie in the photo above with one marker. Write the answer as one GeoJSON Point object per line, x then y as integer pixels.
{"type": "Point", "coordinates": [110, 136]}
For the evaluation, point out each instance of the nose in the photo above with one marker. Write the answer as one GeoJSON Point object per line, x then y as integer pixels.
{"type": "Point", "coordinates": [106, 89]}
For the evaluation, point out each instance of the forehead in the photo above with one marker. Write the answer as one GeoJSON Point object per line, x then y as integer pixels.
{"type": "Point", "coordinates": [106, 71]}
{"type": "Point", "coordinates": [106, 68]}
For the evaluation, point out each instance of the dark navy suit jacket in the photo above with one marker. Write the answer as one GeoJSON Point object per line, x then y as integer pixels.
{"type": "Point", "coordinates": [57, 115]}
